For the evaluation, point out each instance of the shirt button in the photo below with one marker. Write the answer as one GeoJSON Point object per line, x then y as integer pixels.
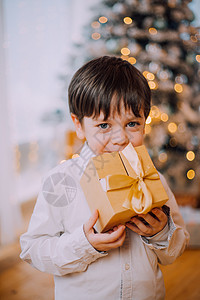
{"type": "Point", "coordinates": [127, 266]}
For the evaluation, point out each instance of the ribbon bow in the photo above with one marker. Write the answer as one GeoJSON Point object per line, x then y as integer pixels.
{"type": "Point", "coordinates": [139, 198]}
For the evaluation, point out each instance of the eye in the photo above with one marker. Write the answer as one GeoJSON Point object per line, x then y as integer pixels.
{"type": "Point", "coordinates": [133, 124]}
{"type": "Point", "coordinates": [103, 126]}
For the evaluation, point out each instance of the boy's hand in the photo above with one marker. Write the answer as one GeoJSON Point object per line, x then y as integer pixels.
{"type": "Point", "coordinates": [154, 221]}
{"type": "Point", "coordinates": [104, 241]}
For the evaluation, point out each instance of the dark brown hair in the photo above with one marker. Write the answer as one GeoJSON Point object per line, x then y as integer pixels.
{"type": "Point", "coordinates": [96, 82]}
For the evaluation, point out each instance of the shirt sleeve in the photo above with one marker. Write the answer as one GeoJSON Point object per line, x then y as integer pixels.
{"type": "Point", "coordinates": [49, 248]}
{"type": "Point", "coordinates": [172, 240]}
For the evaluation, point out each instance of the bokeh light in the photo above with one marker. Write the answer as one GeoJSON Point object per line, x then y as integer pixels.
{"type": "Point", "coordinates": [125, 51]}
{"type": "Point", "coordinates": [190, 174]}
{"type": "Point", "coordinates": [178, 88]}
{"type": "Point", "coordinates": [103, 19]}
{"type": "Point", "coordinates": [153, 31]}
{"type": "Point", "coordinates": [96, 36]}
{"type": "Point", "coordinates": [128, 20]}
{"type": "Point", "coordinates": [172, 127]}
{"type": "Point", "coordinates": [190, 155]}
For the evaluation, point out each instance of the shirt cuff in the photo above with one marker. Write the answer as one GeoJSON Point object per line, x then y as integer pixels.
{"type": "Point", "coordinates": [162, 238]}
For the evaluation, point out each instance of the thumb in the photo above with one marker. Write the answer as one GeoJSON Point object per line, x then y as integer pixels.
{"type": "Point", "coordinates": [91, 222]}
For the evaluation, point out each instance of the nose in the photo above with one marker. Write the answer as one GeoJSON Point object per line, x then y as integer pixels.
{"type": "Point", "coordinates": [119, 136]}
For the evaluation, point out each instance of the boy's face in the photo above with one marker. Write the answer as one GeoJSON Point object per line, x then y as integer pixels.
{"type": "Point", "coordinates": [114, 134]}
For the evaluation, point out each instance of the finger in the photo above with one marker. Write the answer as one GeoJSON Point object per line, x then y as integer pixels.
{"type": "Point", "coordinates": [118, 243]}
{"type": "Point", "coordinates": [159, 214]}
{"type": "Point", "coordinates": [151, 220]}
{"type": "Point", "coordinates": [91, 222]}
{"type": "Point", "coordinates": [141, 226]}
{"type": "Point", "coordinates": [106, 238]}
{"type": "Point", "coordinates": [134, 228]}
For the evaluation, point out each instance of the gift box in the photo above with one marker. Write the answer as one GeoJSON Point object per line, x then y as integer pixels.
{"type": "Point", "coordinates": [121, 185]}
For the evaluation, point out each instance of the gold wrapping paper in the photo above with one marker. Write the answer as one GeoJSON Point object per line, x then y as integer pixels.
{"type": "Point", "coordinates": [121, 185]}
{"type": "Point", "coordinates": [139, 198]}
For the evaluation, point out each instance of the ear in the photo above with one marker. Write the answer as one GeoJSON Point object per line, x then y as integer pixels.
{"type": "Point", "coordinates": [79, 129]}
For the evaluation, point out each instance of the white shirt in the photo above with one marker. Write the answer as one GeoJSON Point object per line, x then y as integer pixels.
{"type": "Point", "coordinates": [55, 243]}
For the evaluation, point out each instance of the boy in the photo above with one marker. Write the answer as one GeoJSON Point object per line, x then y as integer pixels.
{"type": "Point", "coordinates": [109, 101]}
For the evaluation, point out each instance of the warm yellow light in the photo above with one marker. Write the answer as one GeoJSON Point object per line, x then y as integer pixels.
{"type": "Point", "coordinates": [147, 129]}
{"type": "Point", "coordinates": [152, 85]}
{"type": "Point", "coordinates": [155, 112]}
{"type": "Point", "coordinates": [190, 155]}
{"type": "Point", "coordinates": [128, 20]}
{"type": "Point", "coordinates": [150, 76]}
{"type": "Point", "coordinates": [148, 120]}
{"type": "Point", "coordinates": [164, 117]}
{"type": "Point", "coordinates": [103, 19]}
{"type": "Point", "coordinates": [125, 51]}
{"type": "Point", "coordinates": [178, 88]}
{"type": "Point", "coordinates": [95, 24]}
{"type": "Point", "coordinates": [172, 127]}
{"type": "Point", "coordinates": [132, 60]}
{"type": "Point", "coordinates": [62, 161]}
{"type": "Point", "coordinates": [162, 157]}
{"type": "Point", "coordinates": [190, 174]}
{"type": "Point", "coordinates": [124, 57]}
{"type": "Point", "coordinates": [153, 31]}
{"type": "Point", "coordinates": [198, 58]}
{"type": "Point", "coordinates": [75, 155]}
{"type": "Point", "coordinates": [96, 36]}
{"type": "Point", "coordinates": [145, 73]}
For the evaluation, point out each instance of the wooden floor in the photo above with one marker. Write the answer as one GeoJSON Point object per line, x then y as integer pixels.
{"type": "Point", "coordinates": [20, 281]}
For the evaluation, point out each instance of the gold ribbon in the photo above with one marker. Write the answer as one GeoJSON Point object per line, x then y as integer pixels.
{"type": "Point", "coordinates": [139, 198]}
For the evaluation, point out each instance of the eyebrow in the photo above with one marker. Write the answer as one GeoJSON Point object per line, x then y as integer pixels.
{"type": "Point", "coordinates": [128, 117]}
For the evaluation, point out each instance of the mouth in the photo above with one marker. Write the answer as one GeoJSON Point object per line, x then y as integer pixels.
{"type": "Point", "coordinates": [114, 150]}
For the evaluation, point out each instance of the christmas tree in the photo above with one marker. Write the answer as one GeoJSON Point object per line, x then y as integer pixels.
{"type": "Point", "coordinates": [158, 38]}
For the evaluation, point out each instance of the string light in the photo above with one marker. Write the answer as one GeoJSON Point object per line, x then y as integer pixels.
{"type": "Point", "coordinates": [132, 60]}
{"type": "Point", "coordinates": [152, 85]}
{"type": "Point", "coordinates": [155, 112]}
{"type": "Point", "coordinates": [190, 174]}
{"type": "Point", "coordinates": [172, 127]}
{"type": "Point", "coordinates": [125, 51]}
{"type": "Point", "coordinates": [190, 155]}
{"type": "Point", "coordinates": [128, 20]}
{"type": "Point", "coordinates": [178, 88]}
{"type": "Point", "coordinates": [96, 36]}
{"type": "Point", "coordinates": [145, 73]}
{"type": "Point", "coordinates": [103, 20]}
{"type": "Point", "coordinates": [95, 24]}
{"type": "Point", "coordinates": [153, 31]}
{"type": "Point", "coordinates": [150, 76]}
{"type": "Point", "coordinates": [162, 157]}
{"type": "Point", "coordinates": [164, 117]}
{"type": "Point", "coordinates": [198, 58]}
{"type": "Point", "coordinates": [125, 57]}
